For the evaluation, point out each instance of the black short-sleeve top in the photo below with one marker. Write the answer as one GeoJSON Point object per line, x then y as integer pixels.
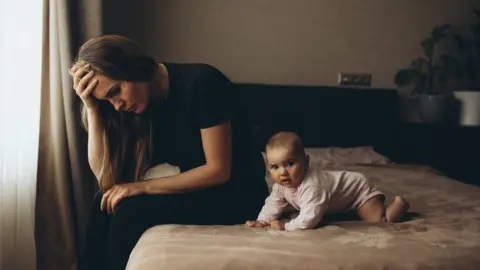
{"type": "Point", "coordinates": [200, 96]}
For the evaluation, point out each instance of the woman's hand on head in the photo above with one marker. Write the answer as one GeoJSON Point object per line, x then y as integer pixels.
{"type": "Point", "coordinates": [117, 193]}
{"type": "Point", "coordinates": [84, 84]}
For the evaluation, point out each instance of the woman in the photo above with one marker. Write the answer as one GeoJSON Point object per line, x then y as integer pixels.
{"type": "Point", "coordinates": [139, 113]}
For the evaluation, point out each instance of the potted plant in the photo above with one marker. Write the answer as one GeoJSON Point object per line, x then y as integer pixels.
{"type": "Point", "coordinates": [428, 75]}
{"type": "Point", "coordinates": [469, 95]}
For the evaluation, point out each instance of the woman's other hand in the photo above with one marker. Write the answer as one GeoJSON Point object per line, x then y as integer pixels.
{"type": "Point", "coordinates": [113, 196]}
{"type": "Point", "coordinates": [83, 84]}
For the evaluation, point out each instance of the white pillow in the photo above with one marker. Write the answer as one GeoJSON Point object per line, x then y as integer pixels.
{"type": "Point", "coordinates": [161, 170]}
{"type": "Point", "coordinates": [345, 156]}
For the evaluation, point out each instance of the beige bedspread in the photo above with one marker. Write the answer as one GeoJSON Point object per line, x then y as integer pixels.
{"type": "Point", "coordinates": [444, 233]}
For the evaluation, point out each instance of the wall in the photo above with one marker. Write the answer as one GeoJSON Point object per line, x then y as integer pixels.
{"type": "Point", "coordinates": [286, 41]}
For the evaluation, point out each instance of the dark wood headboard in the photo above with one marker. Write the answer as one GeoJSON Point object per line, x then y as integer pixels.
{"type": "Point", "coordinates": [324, 116]}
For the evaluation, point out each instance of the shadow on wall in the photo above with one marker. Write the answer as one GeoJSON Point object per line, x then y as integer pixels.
{"type": "Point", "coordinates": [283, 41]}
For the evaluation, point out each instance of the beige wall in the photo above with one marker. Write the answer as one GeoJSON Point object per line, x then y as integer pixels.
{"type": "Point", "coordinates": [286, 41]}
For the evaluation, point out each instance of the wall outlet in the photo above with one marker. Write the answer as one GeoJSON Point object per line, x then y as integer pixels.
{"type": "Point", "coordinates": [360, 79]}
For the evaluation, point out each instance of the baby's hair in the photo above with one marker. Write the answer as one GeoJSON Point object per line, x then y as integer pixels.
{"type": "Point", "coordinates": [287, 139]}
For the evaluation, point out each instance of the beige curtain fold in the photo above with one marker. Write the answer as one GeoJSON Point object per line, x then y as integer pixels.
{"type": "Point", "coordinates": [65, 184]}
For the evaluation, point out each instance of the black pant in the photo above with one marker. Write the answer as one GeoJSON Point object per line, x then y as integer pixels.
{"type": "Point", "coordinates": [111, 238]}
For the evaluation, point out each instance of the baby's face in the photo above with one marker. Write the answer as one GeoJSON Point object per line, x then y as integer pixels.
{"type": "Point", "coordinates": [286, 168]}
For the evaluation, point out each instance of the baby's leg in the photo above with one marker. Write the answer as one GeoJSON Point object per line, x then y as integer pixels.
{"type": "Point", "coordinates": [373, 210]}
{"type": "Point", "coordinates": [396, 209]}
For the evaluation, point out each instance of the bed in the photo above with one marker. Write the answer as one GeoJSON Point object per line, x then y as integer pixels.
{"type": "Point", "coordinates": [346, 129]}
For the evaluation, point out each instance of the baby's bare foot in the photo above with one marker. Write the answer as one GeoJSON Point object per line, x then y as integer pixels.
{"type": "Point", "coordinates": [397, 209]}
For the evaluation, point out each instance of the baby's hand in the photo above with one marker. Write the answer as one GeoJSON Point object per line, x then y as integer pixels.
{"type": "Point", "coordinates": [278, 224]}
{"type": "Point", "coordinates": [256, 224]}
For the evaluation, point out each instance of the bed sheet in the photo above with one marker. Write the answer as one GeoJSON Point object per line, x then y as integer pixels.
{"type": "Point", "coordinates": [442, 232]}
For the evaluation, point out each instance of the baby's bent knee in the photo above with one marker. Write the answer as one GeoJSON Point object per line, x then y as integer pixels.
{"type": "Point", "coordinates": [375, 219]}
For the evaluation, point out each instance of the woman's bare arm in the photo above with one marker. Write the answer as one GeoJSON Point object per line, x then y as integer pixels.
{"type": "Point", "coordinates": [95, 140]}
{"type": "Point", "coordinates": [84, 83]}
{"type": "Point", "coordinates": [217, 145]}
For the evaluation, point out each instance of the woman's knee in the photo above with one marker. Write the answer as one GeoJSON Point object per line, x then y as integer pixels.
{"type": "Point", "coordinates": [132, 207]}
{"type": "Point", "coordinates": [125, 209]}
{"type": "Point", "coordinates": [129, 204]}
{"type": "Point", "coordinates": [97, 198]}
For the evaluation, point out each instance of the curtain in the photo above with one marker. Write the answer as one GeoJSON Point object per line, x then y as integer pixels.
{"type": "Point", "coordinates": [20, 79]}
{"type": "Point", "coordinates": [65, 184]}
{"type": "Point", "coordinates": [45, 183]}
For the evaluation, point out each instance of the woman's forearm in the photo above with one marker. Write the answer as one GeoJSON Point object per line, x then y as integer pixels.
{"type": "Point", "coordinates": [95, 140]}
{"type": "Point", "coordinates": [196, 179]}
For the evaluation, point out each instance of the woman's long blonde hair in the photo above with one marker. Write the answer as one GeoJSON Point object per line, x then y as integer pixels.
{"type": "Point", "coordinates": [126, 138]}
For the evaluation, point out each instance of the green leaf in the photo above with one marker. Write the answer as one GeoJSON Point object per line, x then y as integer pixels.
{"type": "Point", "coordinates": [421, 84]}
{"type": "Point", "coordinates": [439, 32]}
{"type": "Point", "coordinates": [459, 42]}
{"type": "Point", "coordinates": [420, 63]}
{"type": "Point", "coordinates": [477, 12]}
{"type": "Point", "coordinates": [475, 29]}
{"type": "Point", "coordinates": [449, 62]}
{"type": "Point", "coordinates": [442, 75]}
{"type": "Point", "coordinates": [406, 76]}
{"type": "Point", "coordinates": [428, 46]}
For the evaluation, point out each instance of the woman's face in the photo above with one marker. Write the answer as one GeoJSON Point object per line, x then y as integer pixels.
{"type": "Point", "coordinates": [123, 95]}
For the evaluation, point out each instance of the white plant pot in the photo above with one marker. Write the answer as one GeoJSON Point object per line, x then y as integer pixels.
{"type": "Point", "coordinates": [469, 107]}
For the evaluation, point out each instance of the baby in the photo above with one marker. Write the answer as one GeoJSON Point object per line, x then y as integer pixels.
{"type": "Point", "coordinates": [315, 192]}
